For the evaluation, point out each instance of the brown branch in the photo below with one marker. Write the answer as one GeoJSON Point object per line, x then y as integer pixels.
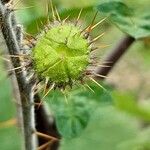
{"type": "Point", "coordinates": [114, 56]}
{"type": "Point", "coordinates": [45, 124]}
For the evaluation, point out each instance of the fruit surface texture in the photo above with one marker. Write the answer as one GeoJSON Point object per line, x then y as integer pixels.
{"type": "Point", "coordinates": [61, 54]}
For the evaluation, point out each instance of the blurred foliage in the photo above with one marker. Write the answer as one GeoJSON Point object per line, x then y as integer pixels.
{"type": "Point", "coordinates": [111, 120]}
{"type": "Point", "coordinates": [9, 134]}
{"type": "Point", "coordinates": [130, 19]}
{"type": "Point", "coordinates": [73, 110]}
{"type": "Point", "coordinates": [107, 129]}
{"type": "Point", "coordinates": [127, 102]}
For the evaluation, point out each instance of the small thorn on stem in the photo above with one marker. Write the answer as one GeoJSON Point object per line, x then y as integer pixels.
{"type": "Point", "coordinates": [45, 136]}
{"type": "Point", "coordinates": [65, 19]}
{"type": "Point", "coordinates": [65, 96]}
{"type": "Point", "coordinates": [98, 75]}
{"type": "Point", "coordinates": [45, 146]}
{"type": "Point", "coordinates": [78, 17]}
{"type": "Point", "coordinates": [89, 88]}
{"type": "Point", "coordinates": [58, 16]}
{"type": "Point", "coordinates": [52, 86]}
{"type": "Point", "coordinates": [97, 83]}
{"type": "Point", "coordinates": [101, 21]}
{"type": "Point", "coordinates": [52, 9]}
{"type": "Point", "coordinates": [46, 84]}
{"type": "Point", "coordinates": [95, 39]}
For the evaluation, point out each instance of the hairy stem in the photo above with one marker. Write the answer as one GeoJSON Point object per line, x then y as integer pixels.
{"type": "Point", "coordinates": [114, 56]}
{"type": "Point", "coordinates": [44, 123]}
{"type": "Point", "coordinates": [25, 87]}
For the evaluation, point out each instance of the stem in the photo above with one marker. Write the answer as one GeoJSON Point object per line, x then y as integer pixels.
{"type": "Point", "coordinates": [45, 123]}
{"type": "Point", "coordinates": [12, 35]}
{"type": "Point", "coordinates": [5, 1]}
{"type": "Point", "coordinates": [114, 56]}
{"type": "Point", "coordinates": [25, 87]}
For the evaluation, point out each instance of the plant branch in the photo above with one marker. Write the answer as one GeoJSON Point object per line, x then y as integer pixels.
{"type": "Point", "coordinates": [44, 123]}
{"type": "Point", "coordinates": [114, 56]}
{"type": "Point", "coordinates": [25, 87]}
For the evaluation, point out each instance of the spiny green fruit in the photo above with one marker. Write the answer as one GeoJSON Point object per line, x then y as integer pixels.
{"type": "Point", "coordinates": [61, 54]}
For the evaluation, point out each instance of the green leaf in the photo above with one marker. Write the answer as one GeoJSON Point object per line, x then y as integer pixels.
{"type": "Point", "coordinates": [130, 19]}
{"type": "Point", "coordinates": [126, 102]}
{"type": "Point", "coordinates": [72, 115]}
{"type": "Point", "coordinates": [78, 3]}
{"type": "Point", "coordinates": [141, 142]}
{"type": "Point", "coordinates": [106, 130]}
{"type": "Point", "coordinates": [10, 138]}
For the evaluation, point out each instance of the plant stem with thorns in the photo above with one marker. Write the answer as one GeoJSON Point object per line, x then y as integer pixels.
{"type": "Point", "coordinates": [25, 88]}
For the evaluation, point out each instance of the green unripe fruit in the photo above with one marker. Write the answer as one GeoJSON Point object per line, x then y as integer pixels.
{"type": "Point", "coordinates": [62, 54]}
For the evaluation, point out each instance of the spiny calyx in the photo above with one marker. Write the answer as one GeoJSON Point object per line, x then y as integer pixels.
{"type": "Point", "coordinates": [61, 54]}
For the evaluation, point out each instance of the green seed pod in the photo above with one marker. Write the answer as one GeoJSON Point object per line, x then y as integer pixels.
{"type": "Point", "coordinates": [62, 54]}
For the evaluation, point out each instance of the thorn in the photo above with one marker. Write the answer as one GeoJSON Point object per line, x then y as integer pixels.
{"type": "Point", "coordinates": [45, 136]}
{"type": "Point", "coordinates": [94, 48]}
{"type": "Point", "coordinates": [52, 9]}
{"type": "Point", "coordinates": [47, 11]}
{"type": "Point", "coordinates": [101, 21]}
{"type": "Point", "coordinates": [16, 3]}
{"type": "Point", "coordinates": [53, 85]}
{"type": "Point", "coordinates": [5, 59]}
{"type": "Point", "coordinates": [28, 35]}
{"type": "Point", "coordinates": [12, 5]}
{"type": "Point", "coordinates": [10, 2]}
{"type": "Point", "coordinates": [58, 16]}
{"type": "Point", "coordinates": [99, 47]}
{"type": "Point", "coordinates": [30, 77]}
{"type": "Point", "coordinates": [89, 29]}
{"type": "Point", "coordinates": [66, 100]}
{"type": "Point", "coordinates": [103, 66]}
{"type": "Point", "coordinates": [104, 46]}
{"type": "Point", "coordinates": [89, 88]}
{"type": "Point", "coordinates": [97, 83]}
{"type": "Point", "coordinates": [44, 146]}
{"type": "Point", "coordinates": [36, 104]}
{"type": "Point", "coordinates": [18, 56]}
{"type": "Point", "coordinates": [95, 39]}
{"type": "Point", "coordinates": [66, 19]}
{"type": "Point", "coordinates": [45, 87]}
{"type": "Point", "coordinates": [38, 88]}
{"type": "Point", "coordinates": [78, 16]}
{"type": "Point", "coordinates": [17, 9]}
{"type": "Point", "coordinates": [98, 75]}
{"type": "Point", "coordinates": [13, 69]}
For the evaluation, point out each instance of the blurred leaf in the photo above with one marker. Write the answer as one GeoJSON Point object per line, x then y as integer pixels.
{"type": "Point", "coordinates": [7, 109]}
{"type": "Point", "coordinates": [10, 139]}
{"type": "Point", "coordinates": [72, 115]}
{"type": "Point", "coordinates": [131, 20]}
{"type": "Point", "coordinates": [127, 103]}
{"type": "Point", "coordinates": [34, 21]}
{"type": "Point", "coordinates": [141, 142]}
{"type": "Point", "coordinates": [78, 3]}
{"type": "Point", "coordinates": [9, 136]}
{"type": "Point", "coordinates": [106, 130]}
